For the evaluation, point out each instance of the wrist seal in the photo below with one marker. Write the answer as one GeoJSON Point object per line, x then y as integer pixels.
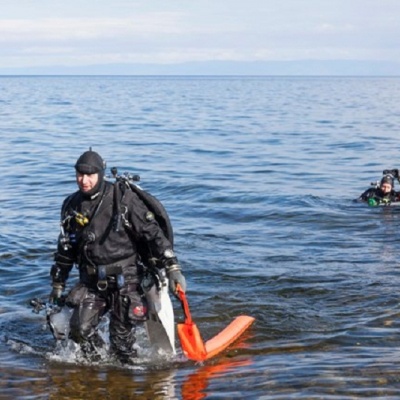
{"type": "Point", "coordinates": [169, 261]}
{"type": "Point", "coordinates": [173, 267]}
{"type": "Point", "coordinates": [58, 285]}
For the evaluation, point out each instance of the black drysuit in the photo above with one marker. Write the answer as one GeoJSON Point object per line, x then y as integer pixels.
{"type": "Point", "coordinates": [379, 196]}
{"type": "Point", "coordinates": [102, 236]}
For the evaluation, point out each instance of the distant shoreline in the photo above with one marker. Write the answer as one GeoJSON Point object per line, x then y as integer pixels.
{"type": "Point", "coordinates": [220, 68]}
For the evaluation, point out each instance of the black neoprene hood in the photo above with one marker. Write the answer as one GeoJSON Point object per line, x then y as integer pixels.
{"type": "Point", "coordinates": [90, 162]}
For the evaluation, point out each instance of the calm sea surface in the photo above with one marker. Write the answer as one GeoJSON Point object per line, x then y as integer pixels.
{"type": "Point", "coordinates": [258, 176]}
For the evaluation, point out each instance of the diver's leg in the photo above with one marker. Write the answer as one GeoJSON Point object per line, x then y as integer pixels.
{"type": "Point", "coordinates": [127, 311]}
{"type": "Point", "coordinates": [85, 320]}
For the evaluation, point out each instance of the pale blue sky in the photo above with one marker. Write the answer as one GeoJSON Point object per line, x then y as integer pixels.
{"type": "Point", "coordinates": [85, 32]}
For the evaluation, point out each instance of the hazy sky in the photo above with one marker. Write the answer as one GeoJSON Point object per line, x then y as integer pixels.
{"type": "Point", "coordinates": [84, 32]}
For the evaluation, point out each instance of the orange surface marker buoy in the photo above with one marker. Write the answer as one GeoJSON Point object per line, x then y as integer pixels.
{"type": "Point", "coordinates": [192, 342]}
{"type": "Point", "coordinates": [189, 335]}
{"type": "Point", "coordinates": [227, 336]}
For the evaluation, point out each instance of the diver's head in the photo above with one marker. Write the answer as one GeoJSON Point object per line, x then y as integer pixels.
{"type": "Point", "coordinates": [90, 169]}
{"type": "Point", "coordinates": [387, 184]}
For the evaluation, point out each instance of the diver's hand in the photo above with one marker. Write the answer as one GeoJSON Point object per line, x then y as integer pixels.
{"type": "Point", "coordinates": [56, 296]}
{"type": "Point", "coordinates": [175, 277]}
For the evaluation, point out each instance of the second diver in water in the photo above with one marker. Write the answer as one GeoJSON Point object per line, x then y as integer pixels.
{"type": "Point", "coordinates": [382, 193]}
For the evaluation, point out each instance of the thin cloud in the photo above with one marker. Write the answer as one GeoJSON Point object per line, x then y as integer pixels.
{"type": "Point", "coordinates": [56, 29]}
{"type": "Point", "coordinates": [74, 32]}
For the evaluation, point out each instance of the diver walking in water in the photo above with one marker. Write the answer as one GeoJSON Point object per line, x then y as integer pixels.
{"type": "Point", "coordinates": [104, 226]}
{"type": "Point", "coordinates": [383, 193]}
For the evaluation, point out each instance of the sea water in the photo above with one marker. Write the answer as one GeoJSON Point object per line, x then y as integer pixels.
{"type": "Point", "coordinates": [258, 175]}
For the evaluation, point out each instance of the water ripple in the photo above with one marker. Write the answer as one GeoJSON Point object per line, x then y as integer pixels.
{"type": "Point", "coordinates": [259, 177]}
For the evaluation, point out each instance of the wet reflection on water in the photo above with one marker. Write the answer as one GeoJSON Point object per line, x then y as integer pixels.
{"type": "Point", "coordinates": [57, 380]}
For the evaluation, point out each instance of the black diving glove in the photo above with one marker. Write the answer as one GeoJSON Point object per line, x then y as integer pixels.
{"type": "Point", "coordinates": [59, 274]}
{"type": "Point", "coordinates": [174, 272]}
{"type": "Point", "coordinates": [56, 296]}
{"type": "Point", "coordinates": [175, 277]}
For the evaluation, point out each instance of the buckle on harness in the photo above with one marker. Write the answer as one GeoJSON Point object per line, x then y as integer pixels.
{"type": "Point", "coordinates": [105, 271]}
{"type": "Point", "coordinates": [102, 283]}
